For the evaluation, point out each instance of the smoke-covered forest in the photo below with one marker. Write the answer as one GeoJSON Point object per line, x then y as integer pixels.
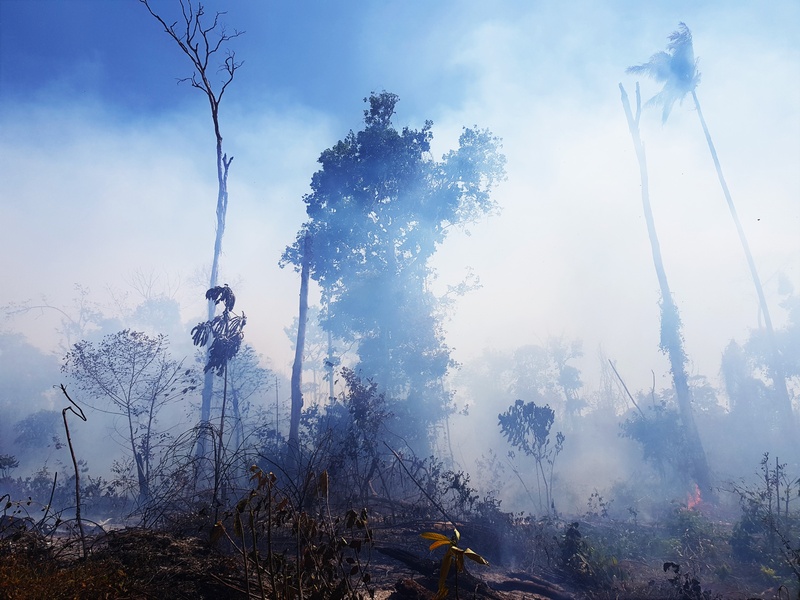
{"type": "Point", "coordinates": [391, 300]}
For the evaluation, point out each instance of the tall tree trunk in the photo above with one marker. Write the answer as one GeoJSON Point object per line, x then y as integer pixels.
{"type": "Point", "coordinates": [330, 366]}
{"type": "Point", "coordinates": [223, 164]}
{"type": "Point", "coordinates": [219, 455]}
{"type": "Point", "coordinates": [777, 371]}
{"type": "Point", "coordinates": [671, 340]}
{"type": "Point", "coordinates": [297, 366]}
{"type": "Point", "coordinates": [193, 40]}
{"type": "Point", "coordinates": [144, 488]}
{"type": "Point", "coordinates": [238, 429]}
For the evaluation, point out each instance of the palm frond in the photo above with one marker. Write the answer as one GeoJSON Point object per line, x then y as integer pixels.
{"type": "Point", "coordinates": [676, 68]}
{"type": "Point", "coordinates": [657, 67]}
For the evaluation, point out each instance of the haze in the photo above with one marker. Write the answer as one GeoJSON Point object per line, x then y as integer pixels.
{"type": "Point", "coordinates": [108, 167]}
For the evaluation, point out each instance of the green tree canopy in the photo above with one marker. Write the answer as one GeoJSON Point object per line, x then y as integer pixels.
{"type": "Point", "coordinates": [378, 208]}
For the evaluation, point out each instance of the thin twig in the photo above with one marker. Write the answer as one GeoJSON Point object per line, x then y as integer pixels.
{"type": "Point", "coordinates": [527, 491]}
{"type": "Point", "coordinates": [49, 503]}
{"type": "Point", "coordinates": [417, 483]}
{"type": "Point", "coordinates": [625, 387]}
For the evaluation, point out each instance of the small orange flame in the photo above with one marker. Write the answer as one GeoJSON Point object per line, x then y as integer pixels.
{"type": "Point", "coordinates": [694, 499]}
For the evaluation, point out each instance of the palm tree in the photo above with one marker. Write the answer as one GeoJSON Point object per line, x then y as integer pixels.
{"type": "Point", "coordinates": [671, 339]}
{"type": "Point", "coordinates": [677, 69]}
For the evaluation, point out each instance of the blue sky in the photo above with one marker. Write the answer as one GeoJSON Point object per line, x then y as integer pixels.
{"type": "Point", "coordinates": [108, 166]}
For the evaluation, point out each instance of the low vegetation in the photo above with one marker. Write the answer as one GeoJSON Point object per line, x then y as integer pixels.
{"type": "Point", "coordinates": [287, 535]}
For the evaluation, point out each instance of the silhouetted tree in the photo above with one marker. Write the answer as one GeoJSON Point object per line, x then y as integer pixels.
{"type": "Point", "coordinates": [133, 376]}
{"type": "Point", "coordinates": [379, 207]}
{"type": "Point", "coordinates": [7, 464]}
{"type": "Point", "coordinates": [677, 69]}
{"type": "Point", "coordinates": [526, 426]}
{"type": "Point", "coordinates": [226, 332]}
{"type": "Point", "coordinates": [201, 42]}
{"type": "Point", "coordinates": [671, 339]}
{"type": "Point", "coordinates": [659, 431]}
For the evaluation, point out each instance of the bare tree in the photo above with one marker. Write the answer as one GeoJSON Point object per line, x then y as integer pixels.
{"type": "Point", "coordinates": [131, 375]}
{"type": "Point", "coordinates": [202, 43]}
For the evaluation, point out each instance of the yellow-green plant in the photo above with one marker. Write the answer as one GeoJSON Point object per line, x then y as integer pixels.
{"type": "Point", "coordinates": [454, 553]}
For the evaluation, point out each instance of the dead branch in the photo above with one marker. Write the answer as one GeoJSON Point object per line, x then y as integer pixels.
{"type": "Point", "coordinates": [79, 413]}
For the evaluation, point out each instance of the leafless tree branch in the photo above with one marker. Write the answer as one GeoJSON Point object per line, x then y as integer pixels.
{"type": "Point", "coordinates": [199, 45]}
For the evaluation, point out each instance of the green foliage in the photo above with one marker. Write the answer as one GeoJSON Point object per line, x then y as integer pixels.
{"type": "Point", "coordinates": [27, 375]}
{"type": "Point", "coordinates": [45, 497]}
{"type": "Point", "coordinates": [544, 375]}
{"type": "Point", "coordinates": [745, 365]}
{"type": "Point", "coordinates": [378, 209]}
{"type": "Point", "coordinates": [350, 432]}
{"type": "Point", "coordinates": [597, 506]}
{"type": "Point", "coordinates": [132, 371]}
{"type": "Point", "coordinates": [445, 489]}
{"type": "Point", "coordinates": [527, 427]}
{"type": "Point", "coordinates": [574, 550]}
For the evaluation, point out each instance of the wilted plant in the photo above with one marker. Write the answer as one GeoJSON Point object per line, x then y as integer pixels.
{"type": "Point", "coordinates": [453, 554]}
{"type": "Point", "coordinates": [687, 586]}
{"type": "Point", "coordinates": [350, 431]}
{"type": "Point", "coordinates": [328, 551]}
